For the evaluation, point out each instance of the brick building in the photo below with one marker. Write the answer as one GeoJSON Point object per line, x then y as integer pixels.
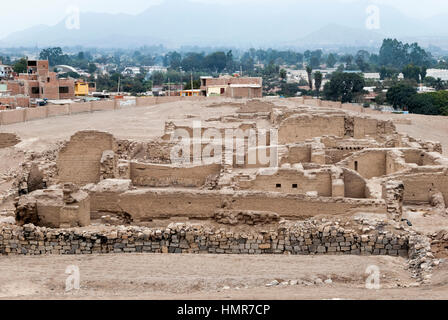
{"type": "Point", "coordinates": [40, 83]}
{"type": "Point", "coordinates": [232, 87]}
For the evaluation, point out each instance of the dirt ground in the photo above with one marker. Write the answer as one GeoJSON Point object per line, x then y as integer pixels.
{"type": "Point", "coordinates": [158, 276]}
{"type": "Point", "coordinates": [206, 276]}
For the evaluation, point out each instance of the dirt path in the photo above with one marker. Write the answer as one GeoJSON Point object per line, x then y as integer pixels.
{"type": "Point", "coordinates": [152, 276]}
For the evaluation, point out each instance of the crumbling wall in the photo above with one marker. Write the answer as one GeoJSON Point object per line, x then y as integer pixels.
{"type": "Point", "coordinates": [299, 128]}
{"type": "Point", "coordinates": [80, 160]}
{"type": "Point", "coordinates": [149, 204]}
{"type": "Point", "coordinates": [419, 186]}
{"type": "Point", "coordinates": [393, 193]}
{"type": "Point", "coordinates": [153, 175]}
{"type": "Point", "coordinates": [55, 207]}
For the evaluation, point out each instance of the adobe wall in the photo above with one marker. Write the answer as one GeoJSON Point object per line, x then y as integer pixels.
{"type": "Point", "coordinates": [293, 182]}
{"type": "Point", "coordinates": [79, 160]}
{"type": "Point", "coordinates": [354, 184]}
{"type": "Point", "coordinates": [149, 204]}
{"type": "Point", "coordinates": [418, 187]}
{"type": "Point", "coordinates": [369, 163]}
{"type": "Point", "coordinates": [106, 105]}
{"type": "Point", "coordinates": [297, 240]}
{"type": "Point", "coordinates": [58, 110]}
{"type": "Point", "coordinates": [35, 113]}
{"type": "Point", "coordinates": [8, 140]}
{"type": "Point", "coordinates": [302, 127]}
{"type": "Point", "coordinates": [80, 107]}
{"type": "Point", "coordinates": [298, 154]}
{"type": "Point", "coordinates": [12, 116]}
{"type": "Point", "coordinates": [152, 175]}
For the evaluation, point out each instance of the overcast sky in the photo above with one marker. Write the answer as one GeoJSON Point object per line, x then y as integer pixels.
{"type": "Point", "coordinates": [21, 14]}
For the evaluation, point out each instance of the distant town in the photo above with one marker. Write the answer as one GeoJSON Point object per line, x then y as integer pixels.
{"type": "Point", "coordinates": [400, 77]}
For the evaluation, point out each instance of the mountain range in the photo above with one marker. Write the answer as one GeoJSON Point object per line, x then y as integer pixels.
{"type": "Point", "coordinates": [174, 23]}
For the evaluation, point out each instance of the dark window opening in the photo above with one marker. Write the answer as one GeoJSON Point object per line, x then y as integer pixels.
{"type": "Point", "coordinates": [223, 90]}
{"type": "Point", "coordinates": [278, 185]}
{"type": "Point", "coordinates": [32, 63]}
{"type": "Point", "coordinates": [48, 79]}
{"type": "Point", "coordinates": [35, 90]}
{"type": "Point", "coordinates": [63, 89]}
{"type": "Point", "coordinates": [356, 165]}
{"type": "Point", "coordinates": [295, 186]}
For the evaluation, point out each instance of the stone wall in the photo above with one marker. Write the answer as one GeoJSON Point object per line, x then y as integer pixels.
{"type": "Point", "coordinates": [304, 239]}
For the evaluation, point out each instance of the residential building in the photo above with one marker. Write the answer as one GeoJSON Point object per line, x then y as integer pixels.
{"type": "Point", "coordinates": [6, 71]}
{"type": "Point", "coordinates": [232, 87]}
{"type": "Point", "coordinates": [39, 83]}
{"type": "Point", "coordinates": [83, 88]}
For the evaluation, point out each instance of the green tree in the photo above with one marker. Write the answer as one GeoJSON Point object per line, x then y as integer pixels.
{"type": "Point", "coordinates": [318, 81]}
{"type": "Point", "coordinates": [92, 68]}
{"type": "Point", "coordinates": [399, 95]}
{"type": "Point", "coordinates": [309, 71]}
{"type": "Point", "coordinates": [344, 87]}
{"type": "Point", "coordinates": [411, 72]}
{"type": "Point", "coordinates": [283, 74]}
{"type": "Point", "coordinates": [55, 56]}
{"type": "Point", "coordinates": [331, 60]}
{"type": "Point", "coordinates": [20, 66]}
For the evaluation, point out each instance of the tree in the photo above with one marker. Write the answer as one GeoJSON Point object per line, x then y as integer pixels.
{"type": "Point", "coordinates": [283, 74]}
{"type": "Point", "coordinates": [158, 78]}
{"type": "Point", "coordinates": [423, 73]}
{"type": "Point", "coordinates": [361, 59]}
{"type": "Point", "coordinates": [344, 87]}
{"type": "Point", "coordinates": [394, 53]}
{"type": "Point", "coordinates": [309, 71]}
{"type": "Point", "coordinates": [331, 60]}
{"type": "Point", "coordinates": [216, 61]}
{"type": "Point", "coordinates": [399, 95]}
{"type": "Point", "coordinates": [92, 68]}
{"type": "Point", "coordinates": [411, 72]}
{"type": "Point", "coordinates": [318, 81]}
{"type": "Point", "coordinates": [388, 73]}
{"type": "Point", "coordinates": [55, 56]}
{"type": "Point", "coordinates": [20, 66]}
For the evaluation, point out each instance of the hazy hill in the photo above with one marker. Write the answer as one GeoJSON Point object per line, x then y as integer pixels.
{"type": "Point", "coordinates": [181, 22]}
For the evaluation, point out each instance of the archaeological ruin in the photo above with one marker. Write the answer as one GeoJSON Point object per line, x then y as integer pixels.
{"type": "Point", "coordinates": [299, 178]}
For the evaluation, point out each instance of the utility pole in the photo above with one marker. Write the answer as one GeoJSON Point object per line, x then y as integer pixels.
{"type": "Point", "coordinates": [181, 82]}
{"type": "Point", "coordinates": [192, 83]}
{"type": "Point", "coordinates": [169, 87]}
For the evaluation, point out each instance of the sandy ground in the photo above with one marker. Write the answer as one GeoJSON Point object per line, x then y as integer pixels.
{"type": "Point", "coordinates": [157, 276]}
{"type": "Point", "coordinates": [139, 123]}
{"type": "Point", "coordinates": [432, 128]}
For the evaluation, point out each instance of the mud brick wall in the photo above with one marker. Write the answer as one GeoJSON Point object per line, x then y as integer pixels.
{"type": "Point", "coordinates": [79, 160]}
{"type": "Point", "coordinates": [181, 238]}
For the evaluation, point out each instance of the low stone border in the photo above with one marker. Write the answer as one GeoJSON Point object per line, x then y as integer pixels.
{"type": "Point", "coordinates": [300, 239]}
